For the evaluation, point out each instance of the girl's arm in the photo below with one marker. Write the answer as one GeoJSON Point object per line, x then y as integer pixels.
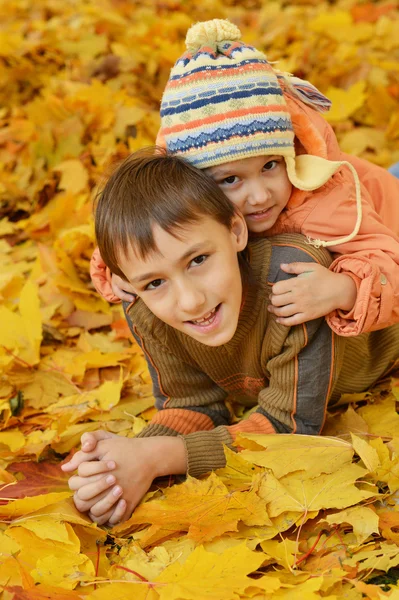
{"type": "Point", "coordinates": [371, 258]}
{"type": "Point", "coordinates": [111, 287]}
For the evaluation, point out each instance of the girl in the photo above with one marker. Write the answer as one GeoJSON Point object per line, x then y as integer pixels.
{"type": "Point", "coordinates": [257, 133]}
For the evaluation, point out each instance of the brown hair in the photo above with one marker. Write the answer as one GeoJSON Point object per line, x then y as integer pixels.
{"type": "Point", "coordinates": [152, 188]}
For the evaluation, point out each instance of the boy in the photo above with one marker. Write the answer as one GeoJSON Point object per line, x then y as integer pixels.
{"type": "Point", "coordinates": [201, 312]}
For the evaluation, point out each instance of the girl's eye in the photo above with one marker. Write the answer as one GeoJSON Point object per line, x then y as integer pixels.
{"type": "Point", "coordinates": [155, 284]}
{"type": "Point", "coordinates": [269, 166]}
{"type": "Point", "coordinates": [229, 180]}
{"type": "Point", "coordinates": [199, 260]}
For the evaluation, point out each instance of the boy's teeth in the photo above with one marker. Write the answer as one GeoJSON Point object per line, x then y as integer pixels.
{"type": "Point", "coordinates": [205, 319]}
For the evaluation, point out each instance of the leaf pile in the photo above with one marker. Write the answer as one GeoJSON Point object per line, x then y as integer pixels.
{"type": "Point", "coordinates": [289, 517]}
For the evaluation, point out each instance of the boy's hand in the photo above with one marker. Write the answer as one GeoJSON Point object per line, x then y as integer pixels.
{"type": "Point", "coordinates": [88, 442]}
{"type": "Point", "coordinates": [315, 293]}
{"type": "Point", "coordinates": [92, 485]}
{"type": "Point", "coordinates": [122, 288]}
{"type": "Point", "coordinates": [138, 462]}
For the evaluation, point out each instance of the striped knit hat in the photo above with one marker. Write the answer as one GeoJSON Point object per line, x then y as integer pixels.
{"type": "Point", "coordinates": [224, 102]}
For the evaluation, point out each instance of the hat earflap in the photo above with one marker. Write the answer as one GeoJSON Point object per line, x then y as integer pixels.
{"type": "Point", "coordinates": [307, 172]}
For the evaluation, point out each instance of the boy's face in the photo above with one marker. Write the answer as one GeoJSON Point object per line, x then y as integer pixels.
{"type": "Point", "coordinates": [258, 186]}
{"type": "Point", "coordinates": [193, 283]}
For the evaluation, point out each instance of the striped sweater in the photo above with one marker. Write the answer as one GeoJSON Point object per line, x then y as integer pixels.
{"type": "Point", "coordinates": [290, 374]}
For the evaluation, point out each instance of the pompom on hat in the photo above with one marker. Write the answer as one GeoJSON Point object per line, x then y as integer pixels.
{"type": "Point", "coordinates": [224, 101]}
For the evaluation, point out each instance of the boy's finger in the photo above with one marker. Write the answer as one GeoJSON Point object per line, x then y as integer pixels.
{"type": "Point", "coordinates": [77, 459]}
{"type": "Point", "coordinates": [85, 505]}
{"type": "Point", "coordinates": [119, 512]}
{"type": "Point", "coordinates": [91, 490]}
{"type": "Point", "coordinates": [95, 467]}
{"type": "Point", "coordinates": [107, 502]}
{"type": "Point", "coordinates": [102, 519]}
{"type": "Point", "coordinates": [76, 483]}
{"type": "Point", "coordinates": [90, 438]}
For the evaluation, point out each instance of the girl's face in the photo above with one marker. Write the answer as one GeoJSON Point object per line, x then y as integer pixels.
{"type": "Point", "coordinates": [258, 186]}
{"type": "Point", "coordinates": [193, 282]}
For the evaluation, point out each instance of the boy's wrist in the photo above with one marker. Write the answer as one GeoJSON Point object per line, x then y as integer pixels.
{"type": "Point", "coordinates": [170, 456]}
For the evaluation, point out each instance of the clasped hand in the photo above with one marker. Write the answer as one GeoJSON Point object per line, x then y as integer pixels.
{"type": "Point", "coordinates": [114, 472]}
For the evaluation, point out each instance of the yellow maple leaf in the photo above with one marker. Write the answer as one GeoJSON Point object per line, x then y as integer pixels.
{"type": "Point", "coordinates": [381, 417]}
{"type": "Point", "coordinates": [205, 509]}
{"type": "Point", "coordinates": [366, 452]}
{"type": "Point", "coordinates": [300, 494]}
{"type": "Point", "coordinates": [388, 467]}
{"type": "Point", "coordinates": [209, 576]}
{"type": "Point", "coordinates": [363, 520]}
{"type": "Point", "coordinates": [22, 333]}
{"type": "Point", "coordinates": [18, 508]}
{"type": "Point", "coordinates": [381, 557]}
{"type": "Point", "coordinates": [123, 591]}
{"type": "Point", "coordinates": [345, 102]}
{"type": "Point", "coordinates": [284, 454]}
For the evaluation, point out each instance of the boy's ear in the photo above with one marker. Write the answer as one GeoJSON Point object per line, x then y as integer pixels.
{"type": "Point", "coordinates": [239, 230]}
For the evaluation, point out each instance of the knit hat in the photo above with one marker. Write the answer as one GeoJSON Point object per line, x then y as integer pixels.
{"type": "Point", "coordinates": [224, 101]}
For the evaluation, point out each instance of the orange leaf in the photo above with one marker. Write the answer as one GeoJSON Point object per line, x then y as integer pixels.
{"type": "Point", "coordinates": [39, 478]}
{"type": "Point", "coordinates": [40, 592]}
{"type": "Point", "coordinates": [369, 12]}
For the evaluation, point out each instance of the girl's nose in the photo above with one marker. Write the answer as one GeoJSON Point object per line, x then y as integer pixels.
{"type": "Point", "coordinates": [258, 192]}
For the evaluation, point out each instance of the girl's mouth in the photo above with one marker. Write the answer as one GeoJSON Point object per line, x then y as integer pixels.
{"type": "Point", "coordinates": [260, 214]}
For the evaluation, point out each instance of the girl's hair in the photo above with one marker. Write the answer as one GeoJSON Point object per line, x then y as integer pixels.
{"type": "Point", "coordinates": [152, 188]}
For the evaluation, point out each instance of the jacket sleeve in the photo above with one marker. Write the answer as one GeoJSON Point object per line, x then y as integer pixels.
{"type": "Point", "coordinates": [101, 277]}
{"type": "Point", "coordinates": [371, 258]}
{"type": "Point", "coordinates": [301, 375]}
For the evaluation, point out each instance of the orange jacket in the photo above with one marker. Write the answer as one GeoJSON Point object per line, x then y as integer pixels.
{"type": "Point", "coordinates": [371, 258]}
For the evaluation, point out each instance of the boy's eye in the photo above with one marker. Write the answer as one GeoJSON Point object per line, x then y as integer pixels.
{"type": "Point", "coordinates": [153, 285]}
{"type": "Point", "coordinates": [269, 166]}
{"type": "Point", "coordinates": [199, 260]}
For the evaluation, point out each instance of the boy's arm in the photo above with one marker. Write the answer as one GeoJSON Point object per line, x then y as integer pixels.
{"type": "Point", "coordinates": [300, 366]}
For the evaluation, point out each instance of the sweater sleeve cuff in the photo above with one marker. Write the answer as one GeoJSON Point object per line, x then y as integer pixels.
{"type": "Point", "coordinates": [205, 450]}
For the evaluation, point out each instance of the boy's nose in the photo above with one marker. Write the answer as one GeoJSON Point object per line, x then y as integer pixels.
{"type": "Point", "coordinates": [258, 192]}
{"type": "Point", "coordinates": [190, 300]}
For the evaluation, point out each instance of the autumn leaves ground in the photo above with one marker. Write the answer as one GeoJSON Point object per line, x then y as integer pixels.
{"type": "Point", "coordinates": [79, 86]}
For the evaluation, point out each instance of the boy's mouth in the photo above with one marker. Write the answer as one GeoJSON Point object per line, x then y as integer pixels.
{"type": "Point", "coordinates": [206, 319]}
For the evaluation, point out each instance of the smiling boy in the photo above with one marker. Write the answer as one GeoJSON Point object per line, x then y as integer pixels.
{"type": "Point", "coordinates": [201, 313]}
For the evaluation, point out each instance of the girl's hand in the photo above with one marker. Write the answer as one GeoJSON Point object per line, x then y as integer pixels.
{"type": "Point", "coordinates": [314, 293]}
{"type": "Point", "coordinates": [122, 288]}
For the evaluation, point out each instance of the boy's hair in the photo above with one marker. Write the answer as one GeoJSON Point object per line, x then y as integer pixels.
{"type": "Point", "coordinates": [152, 188]}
